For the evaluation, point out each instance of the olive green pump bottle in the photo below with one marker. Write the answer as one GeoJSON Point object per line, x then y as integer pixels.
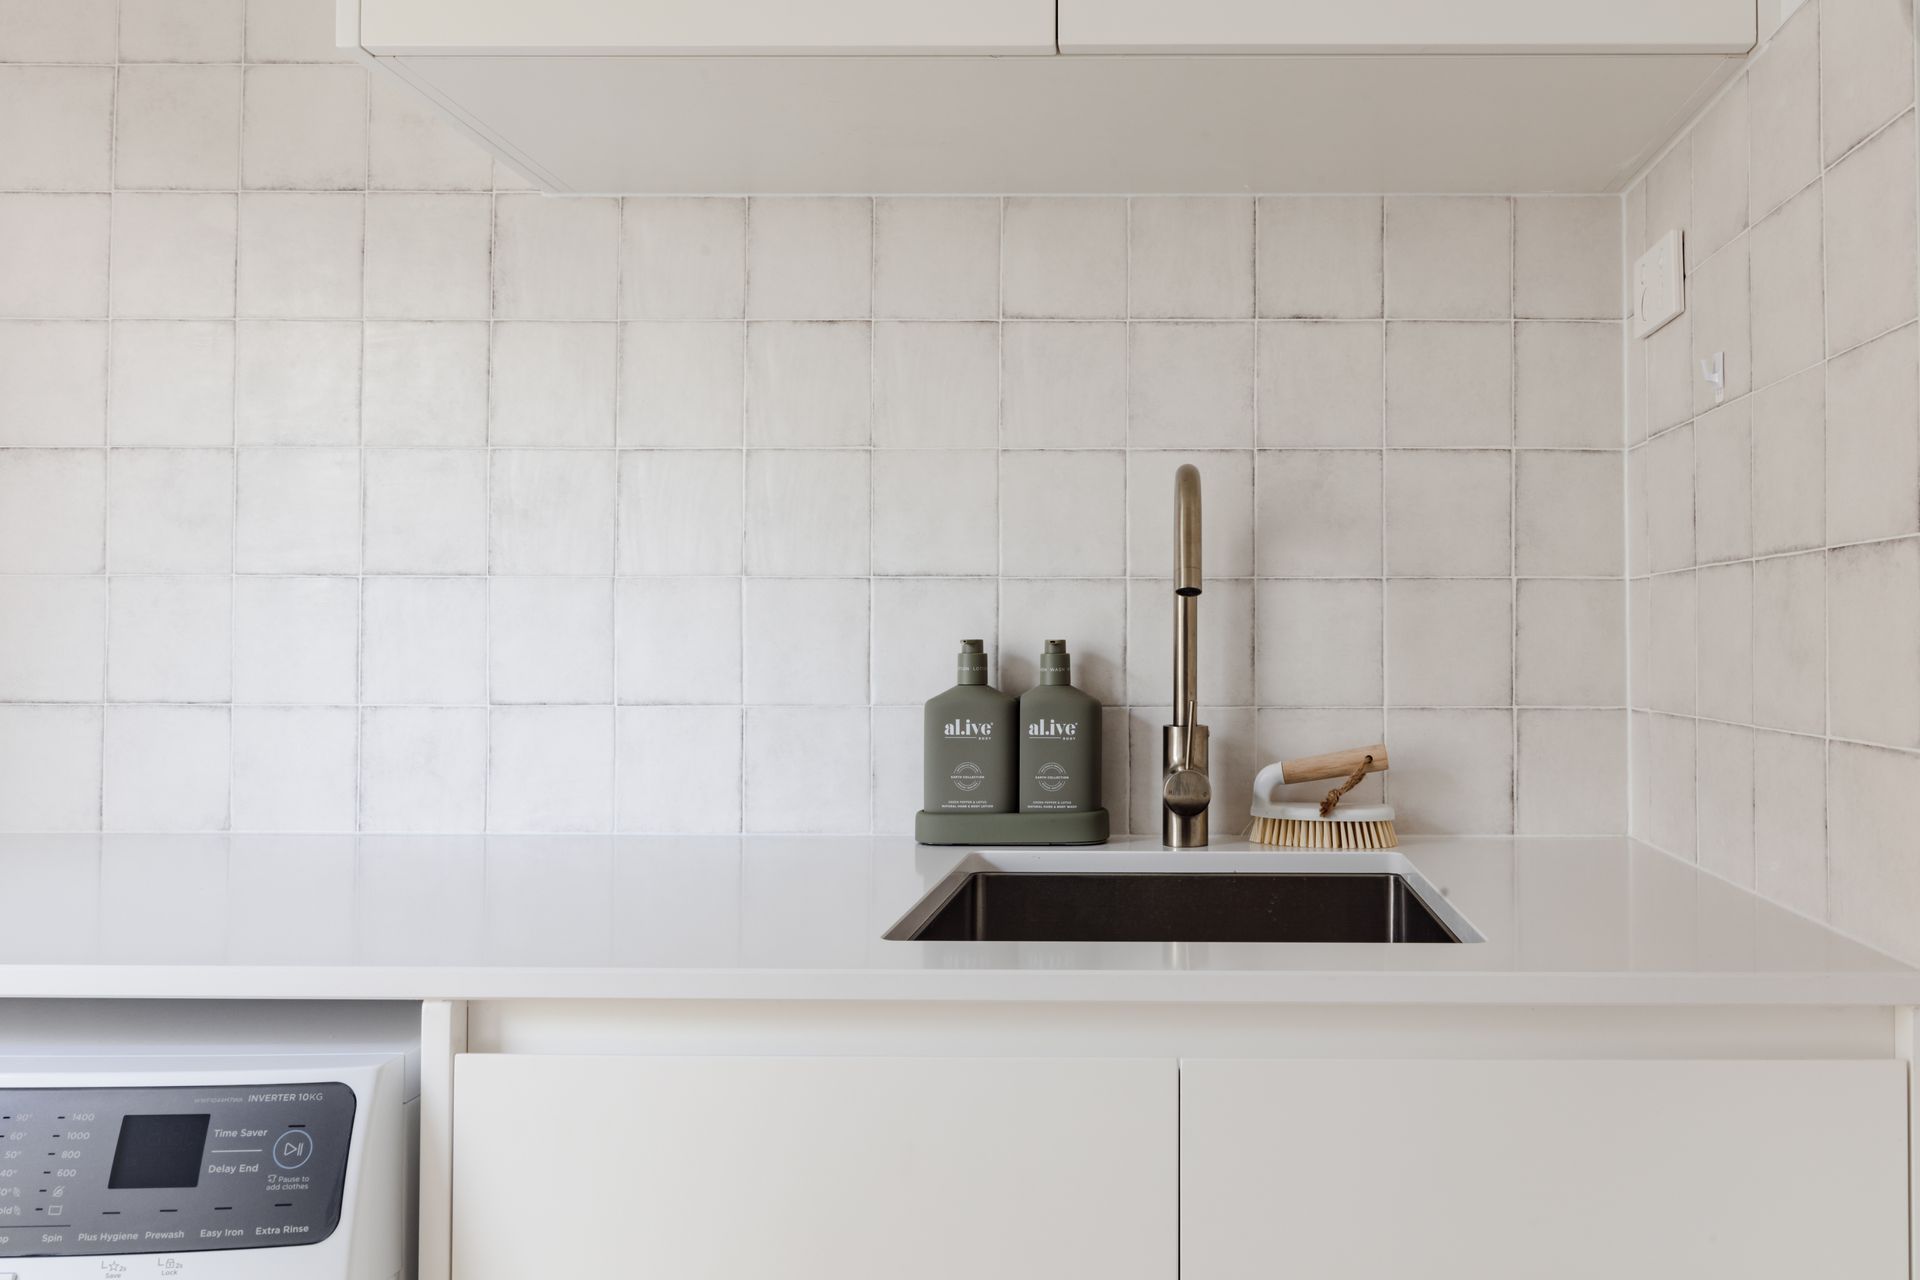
{"type": "Point", "coordinates": [970, 746]}
{"type": "Point", "coordinates": [1059, 740]}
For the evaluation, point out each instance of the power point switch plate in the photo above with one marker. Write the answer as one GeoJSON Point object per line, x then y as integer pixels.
{"type": "Point", "coordinates": [1659, 285]}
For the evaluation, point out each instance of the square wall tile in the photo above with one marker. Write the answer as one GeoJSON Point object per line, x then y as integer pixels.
{"type": "Point", "coordinates": [1226, 511]}
{"type": "Point", "coordinates": [553, 511]}
{"type": "Point", "coordinates": [1670, 374]}
{"type": "Point", "coordinates": [52, 510]}
{"type": "Point", "coordinates": [1064, 386]}
{"type": "Point", "coordinates": [1457, 775]}
{"type": "Point", "coordinates": [1789, 465]}
{"type": "Point", "coordinates": [166, 769]}
{"type": "Point", "coordinates": [290, 31]}
{"type": "Point", "coordinates": [173, 255]}
{"type": "Point", "coordinates": [49, 766]}
{"type": "Point", "coordinates": [56, 128]}
{"type": "Point", "coordinates": [296, 640]}
{"type": "Point", "coordinates": [807, 513]}
{"type": "Point", "coordinates": [1287, 733]}
{"type": "Point", "coordinates": [683, 258]}
{"type": "Point", "coordinates": [1449, 513]}
{"type": "Point", "coordinates": [53, 639]}
{"type": "Point", "coordinates": [169, 640]}
{"type": "Point", "coordinates": [413, 146]}
{"type": "Point", "coordinates": [1724, 630]}
{"type": "Point", "coordinates": [172, 382]}
{"type": "Point", "coordinates": [1723, 771]}
{"type": "Point", "coordinates": [917, 626]}
{"type": "Point", "coordinates": [1320, 257]}
{"type": "Point", "coordinates": [53, 382]}
{"type": "Point", "coordinates": [1566, 258]}
{"type": "Point", "coordinates": [1670, 193]}
{"type": "Point", "coordinates": [1670, 497]}
{"type": "Point", "coordinates": [681, 384]}
{"type": "Point", "coordinates": [1873, 615]}
{"type": "Point", "coordinates": [936, 258]}
{"type": "Point", "coordinates": [297, 382]}
{"type": "Point", "coordinates": [170, 511]}
{"type": "Point", "coordinates": [551, 640]}
{"type": "Point", "coordinates": [1789, 290]}
{"type": "Point", "coordinates": [1190, 257]}
{"type": "Point", "coordinates": [1873, 456]}
{"type": "Point", "coordinates": [1790, 643]}
{"type": "Point", "coordinates": [936, 386]}
{"type": "Point", "coordinates": [936, 512]}
{"type": "Point", "coordinates": [294, 768]}
{"type": "Point", "coordinates": [1790, 821]}
{"type": "Point", "coordinates": [1191, 386]}
{"type": "Point", "coordinates": [424, 384]}
{"type": "Point", "coordinates": [808, 385]}
{"type": "Point", "coordinates": [1640, 775]}
{"type": "Point", "coordinates": [177, 128]}
{"type": "Point", "coordinates": [1063, 514]}
{"type": "Point", "coordinates": [305, 128]}
{"type": "Point", "coordinates": [1719, 174]}
{"type": "Point", "coordinates": [1225, 650]}
{"type": "Point", "coordinates": [1091, 616]}
{"type": "Point", "coordinates": [1320, 384]}
{"type": "Point", "coordinates": [1064, 257]}
{"type": "Point", "coordinates": [680, 512]}
{"type": "Point", "coordinates": [427, 257]}
{"type": "Point", "coordinates": [1672, 644]}
{"type": "Point", "coordinates": [1449, 257]}
{"type": "Point", "coordinates": [677, 639]}
{"type": "Point", "coordinates": [300, 255]}
{"type": "Point", "coordinates": [553, 385]}
{"type": "Point", "coordinates": [1569, 643]}
{"type": "Point", "coordinates": [1450, 643]}
{"type": "Point", "coordinates": [780, 796]}
{"type": "Point", "coordinates": [1567, 385]}
{"type": "Point", "coordinates": [805, 641]}
{"type": "Point", "coordinates": [810, 258]}
{"type": "Point", "coordinates": [1232, 764]}
{"type": "Point", "coordinates": [555, 259]}
{"type": "Point", "coordinates": [425, 641]}
{"type": "Point", "coordinates": [1866, 70]}
{"type": "Point", "coordinates": [80, 32]}
{"type": "Point", "coordinates": [1870, 249]}
{"type": "Point", "coordinates": [898, 781]}
{"type": "Point", "coordinates": [423, 769]}
{"type": "Point", "coordinates": [53, 255]}
{"type": "Point", "coordinates": [1449, 385]}
{"type": "Point", "coordinates": [1571, 778]}
{"type": "Point", "coordinates": [1871, 888]}
{"type": "Point", "coordinates": [299, 511]}
{"type": "Point", "coordinates": [1723, 483]}
{"type": "Point", "coordinates": [1783, 99]}
{"type": "Point", "coordinates": [1318, 643]}
{"type": "Point", "coordinates": [677, 770]}
{"type": "Point", "coordinates": [1718, 299]}
{"type": "Point", "coordinates": [1317, 513]}
{"type": "Point", "coordinates": [426, 510]}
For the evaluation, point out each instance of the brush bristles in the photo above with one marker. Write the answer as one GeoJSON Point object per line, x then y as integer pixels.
{"type": "Point", "coordinates": [1292, 833]}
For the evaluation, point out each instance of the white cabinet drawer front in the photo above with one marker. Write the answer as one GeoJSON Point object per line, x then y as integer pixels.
{"type": "Point", "coordinates": [1407, 26]}
{"type": "Point", "coordinates": [1519, 1170]}
{"type": "Point", "coordinates": [814, 1169]}
{"type": "Point", "coordinates": [706, 26]}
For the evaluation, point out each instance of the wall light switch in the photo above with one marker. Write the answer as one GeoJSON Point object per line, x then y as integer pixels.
{"type": "Point", "coordinates": [1659, 285]}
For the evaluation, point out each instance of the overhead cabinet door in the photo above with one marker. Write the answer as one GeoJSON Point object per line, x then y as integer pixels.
{"type": "Point", "coordinates": [1518, 1170]}
{"type": "Point", "coordinates": [814, 1168]}
{"type": "Point", "coordinates": [1407, 26]}
{"type": "Point", "coordinates": [702, 26]}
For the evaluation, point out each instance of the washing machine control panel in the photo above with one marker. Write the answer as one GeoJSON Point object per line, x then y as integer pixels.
{"type": "Point", "coordinates": [171, 1170]}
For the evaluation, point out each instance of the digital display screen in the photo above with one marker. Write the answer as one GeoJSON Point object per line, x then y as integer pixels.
{"type": "Point", "coordinates": [158, 1153]}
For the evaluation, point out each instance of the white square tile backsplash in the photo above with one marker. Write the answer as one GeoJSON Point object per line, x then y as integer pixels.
{"type": "Point", "coordinates": [347, 484]}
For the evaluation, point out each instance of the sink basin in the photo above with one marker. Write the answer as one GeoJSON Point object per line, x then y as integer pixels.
{"type": "Point", "coordinates": [1203, 906]}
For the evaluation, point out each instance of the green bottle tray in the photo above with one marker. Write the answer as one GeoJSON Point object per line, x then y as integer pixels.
{"type": "Point", "coordinates": [1018, 829]}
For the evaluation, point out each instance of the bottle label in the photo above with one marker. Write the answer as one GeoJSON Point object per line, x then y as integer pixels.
{"type": "Point", "coordinates": [1056, 730]}
{"type": "Point", "coordinates": [967, 730]}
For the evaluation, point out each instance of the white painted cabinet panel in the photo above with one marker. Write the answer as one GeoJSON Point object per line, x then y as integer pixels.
{"type": "Point", "coordinates": [1407, 26]}
{"type": "Point", "coordinates": [814, 1168]}
{"type": "Point", "coordinates": [1478, 1170]}
{"type": "Point", "coordinates": [703, 26]}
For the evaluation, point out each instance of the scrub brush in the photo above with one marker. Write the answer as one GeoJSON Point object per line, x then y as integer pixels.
{"type": "Point", "coordinates": [1323, 825]}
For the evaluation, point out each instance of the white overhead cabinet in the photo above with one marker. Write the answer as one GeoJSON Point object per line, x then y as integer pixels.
{"type": "Point", "coordinates": [1078, 96]}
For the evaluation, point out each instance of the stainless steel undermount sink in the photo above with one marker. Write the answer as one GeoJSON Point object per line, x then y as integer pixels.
{"type": "Point", "coordinates": [1315, 901]}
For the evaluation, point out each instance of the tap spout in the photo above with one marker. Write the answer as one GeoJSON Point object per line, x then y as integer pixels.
{"type": "Point", "coordinates": [1186, 790]}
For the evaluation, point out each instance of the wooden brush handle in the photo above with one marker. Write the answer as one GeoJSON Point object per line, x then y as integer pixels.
{"type": "Point", "coordinates": [1336, 764]}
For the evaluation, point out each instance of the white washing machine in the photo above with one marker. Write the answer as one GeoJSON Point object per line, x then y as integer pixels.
{"type": "Point", "coordinates": [206, 1142]}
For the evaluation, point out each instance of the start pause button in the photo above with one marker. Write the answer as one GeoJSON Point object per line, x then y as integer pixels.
{"type": "Point", "coordinates": [293, 1149]}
